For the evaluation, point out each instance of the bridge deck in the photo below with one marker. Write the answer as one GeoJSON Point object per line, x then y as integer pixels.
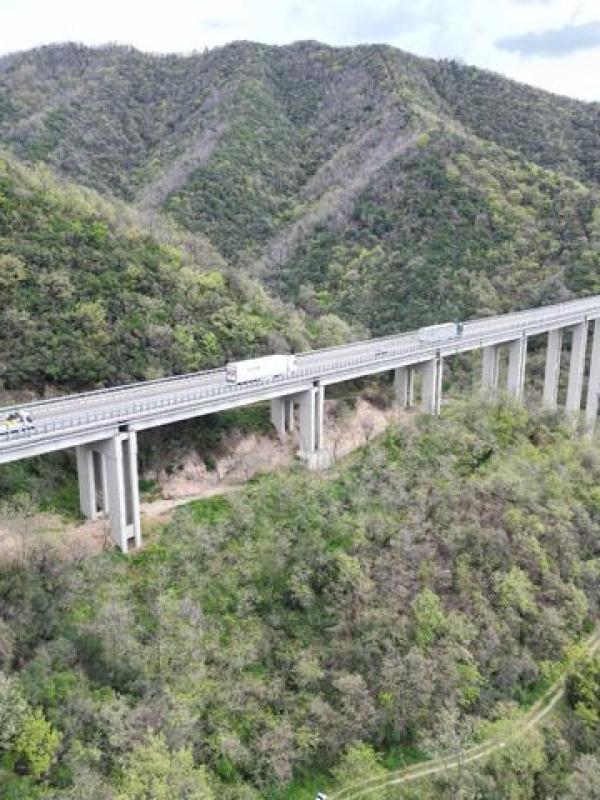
{"type": "Point", "coordinates": [78, 419]}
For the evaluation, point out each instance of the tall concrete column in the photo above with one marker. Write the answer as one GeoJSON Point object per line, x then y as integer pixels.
{"type": "Point", "coordinates": [517, 357]}
{"type": "Point", "coordinates": [87, 482]}
{"type": "Point", "coordinates": [311, 423]}
{"type": "Point", "coordinates": [591, 406]}
{"type": "Point", "coordinates": [108, 483]}
{"type": "Point", "coordinates": [431, 388]}
{"type": "Point", "coordinates": [404, 386]}
{"type": "Point", "coordinates": [552, 374]}
{"type": "Point", "coordinates": [282, 414]}
{"type": "Point", "coordinates": [490, 371]}
{"type": "Point", "coordinates": [576, 368]}
{"type": "Point", "coordinates": [91, 475]}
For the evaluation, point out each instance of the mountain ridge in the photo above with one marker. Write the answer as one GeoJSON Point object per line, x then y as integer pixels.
{"type": "Point", "coordinates": [361, 183]}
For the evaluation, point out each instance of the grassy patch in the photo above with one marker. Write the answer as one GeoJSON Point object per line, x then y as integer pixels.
{"type": "Point", "coordinates": [209, 510]}
{"type": "Point", "coordinates": [62, 499]}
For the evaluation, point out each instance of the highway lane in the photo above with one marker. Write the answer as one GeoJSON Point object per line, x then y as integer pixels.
{"type": "Point", "coordinates": [316, 363]}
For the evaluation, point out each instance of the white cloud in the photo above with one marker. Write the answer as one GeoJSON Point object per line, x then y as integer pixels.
{"type": "Point", "coordinates": [465, 29]}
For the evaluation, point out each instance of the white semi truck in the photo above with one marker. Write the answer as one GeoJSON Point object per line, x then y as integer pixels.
{"type": "Point", "coordinates": [440, 333]}
{"type": "Point", "coordinates": [16, 421]}
{"type": "Point", "coordinates": [261, 369]}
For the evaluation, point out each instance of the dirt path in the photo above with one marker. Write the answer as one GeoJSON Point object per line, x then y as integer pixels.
{"type": "Point", "coordinates": [244, 457]}
{"type": "Point", "coordinates": [161, 508]}
{"type": "Point", "coordinates": [536, 714]}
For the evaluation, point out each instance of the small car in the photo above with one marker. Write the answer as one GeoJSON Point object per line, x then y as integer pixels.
{"type": "Point", "coordinates": [16, 421]}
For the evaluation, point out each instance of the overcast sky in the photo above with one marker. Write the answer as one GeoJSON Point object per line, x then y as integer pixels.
{"type": "Point", "coordinates": [554, 44]}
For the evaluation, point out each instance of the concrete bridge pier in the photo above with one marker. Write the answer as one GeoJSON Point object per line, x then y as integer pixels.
{"type": "Point", "coordinates": [552, 372]}
{"type": "Point", "coordinates": [91, 473]}
{"type": "Point", "coordinates": [517, 358]}
{"type": "Point", "coordinates": [577, 368]}
{"type": "Point", "coordinates": [490, 371]}
{"type": "Point", "coordinates": [404, 386]}
{"type": "Point", "coordinates": [431, 388]}
{"type": "Point", "coordinates": [282, 415]}
{"type": "Point", "coordinates": [108, 484]}
{"type": "Point", "coordinates": [311, 419]}
{"type": "Point", "coordinates": [591, 407]}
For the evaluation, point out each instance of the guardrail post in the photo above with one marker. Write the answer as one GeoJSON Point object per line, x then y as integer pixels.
{"type": "Point", "coordinates": [552, 374]}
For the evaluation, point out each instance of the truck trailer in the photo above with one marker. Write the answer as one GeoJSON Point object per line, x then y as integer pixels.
{"type": "Point", "coordinates": [440, 333]}
{"type": "Point", "coordinates": [261, 369]}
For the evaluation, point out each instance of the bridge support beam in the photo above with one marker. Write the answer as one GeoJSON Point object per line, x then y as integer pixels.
{"type": "Point", "coordinates": [404, 386]}
{"type": "Point", "coordinates": [282, 415]}
{"type": "Point", "coordinates": [593, 392]}
{"type": "Point", "coordinates": [311, 425]}
{"type": "Point", "coordinates": [517, 358]}
{"type": "Point", "coordinates": [108, 482]}
{"type": "Point", "coordinates": [431, 389]}
{"type": "Point", "coordinates": [490, 371]}
{"type": "Point", "coordinates": [577, 368]}
{"type": "Point", "coordinates": [552, 373]}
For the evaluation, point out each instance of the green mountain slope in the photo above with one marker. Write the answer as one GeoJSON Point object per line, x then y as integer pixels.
{"type": "Point", "coordinates": [555, 132]}
{"type": "Point", "coordinates": [454, 227]}
{"type": "Point", "coordinates": [87, 296]}
{"type": "Point", "coordinates": [433, 579]}
{"type": "Point", "coordinates": [364, 181]}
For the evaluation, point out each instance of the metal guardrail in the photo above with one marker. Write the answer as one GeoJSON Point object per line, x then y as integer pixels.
{"type": "Point", "coordinates": [138, 409]}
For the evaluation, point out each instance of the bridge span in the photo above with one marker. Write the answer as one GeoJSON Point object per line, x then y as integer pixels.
{"type": "Point", "coordinates": [102, 425]}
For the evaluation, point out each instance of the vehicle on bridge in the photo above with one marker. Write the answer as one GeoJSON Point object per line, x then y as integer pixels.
{"type": "Point", "coordinates": [440, 333]}
{"type": "Point", "coordinates": [16, 421]}
{"type": "Point", "coordinates": [261, 369]}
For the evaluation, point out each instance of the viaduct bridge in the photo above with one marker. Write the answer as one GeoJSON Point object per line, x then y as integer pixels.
{"type": "Point", "coordinates": [102, 425]}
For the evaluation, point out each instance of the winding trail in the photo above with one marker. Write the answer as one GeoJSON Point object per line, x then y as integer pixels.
{"type": "Point", "coordinates": [536, 714]}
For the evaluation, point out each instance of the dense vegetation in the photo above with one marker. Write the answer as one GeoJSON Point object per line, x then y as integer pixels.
{"type": "Point", "coordinates": [314, 628]}
{"type": "Point", "coordinates": [365, 182]}
{"type": "Point", "coordinates": [88, 297]}
{"type": "Point", "coordinates": [454, 228]}
{"type": "Point", "coordinates": [428, 584]}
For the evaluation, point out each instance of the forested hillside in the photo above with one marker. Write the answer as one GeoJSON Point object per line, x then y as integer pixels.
{"type": "Point", "coordinates": [427, 586]}
{"type": "Point", "coordinates": [87, 296]}
{"type": "Point", "coordinates": [162, 214]}
{"type": "Point", "coordinates": [363, 181]}
{"type": "Point", "coordinates": [358, 182]}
